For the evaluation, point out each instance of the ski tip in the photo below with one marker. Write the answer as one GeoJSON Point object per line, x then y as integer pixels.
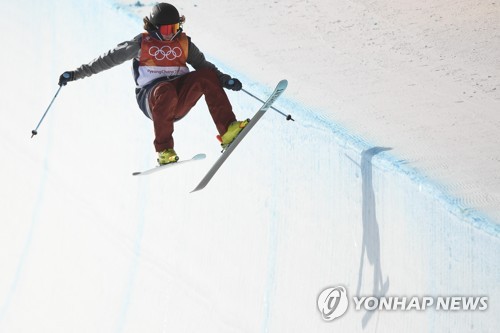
{"type": "Point", "coordinates": [283, 83]}
{"type": "Point", "coordinates": [195, 190]}
{"type": "Point", "coordinates": [199, 156]}
{"type": "Point", "coordinates": [136, 173]}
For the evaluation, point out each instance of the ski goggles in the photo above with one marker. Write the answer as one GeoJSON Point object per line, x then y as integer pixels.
{"type": "Point", "coordinates": [169, 29]}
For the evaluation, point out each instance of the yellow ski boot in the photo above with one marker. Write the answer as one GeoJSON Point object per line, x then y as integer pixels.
{"type": "Point", "coordinates": [232, 132]}
{"type": "Point", "coordinates": [167, 156]}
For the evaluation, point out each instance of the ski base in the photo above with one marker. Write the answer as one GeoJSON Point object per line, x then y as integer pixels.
{"type": "Point", "coordinates": [280, 87]}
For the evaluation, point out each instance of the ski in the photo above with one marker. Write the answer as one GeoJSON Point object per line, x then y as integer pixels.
{"type": "Point", "coordinates": [280, 87]}
{"type": "Point", "coordinates": [197, 157]}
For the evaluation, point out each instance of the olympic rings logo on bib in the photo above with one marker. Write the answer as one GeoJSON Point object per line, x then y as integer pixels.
{"type": "Point", "coordinates": [165, 52]}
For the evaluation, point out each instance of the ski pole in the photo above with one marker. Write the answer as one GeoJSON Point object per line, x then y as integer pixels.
{"type": "Point", "coordinates": [288, 117]}
{"type": "Point", "coordinates": [35, 131]}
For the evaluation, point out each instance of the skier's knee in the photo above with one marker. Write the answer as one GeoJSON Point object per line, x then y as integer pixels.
{"type": "Point", "coordinates": [208, 74]}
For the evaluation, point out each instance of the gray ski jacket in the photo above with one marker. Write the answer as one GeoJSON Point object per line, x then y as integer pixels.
{"type": "Point", "coordinates": [131, 49]}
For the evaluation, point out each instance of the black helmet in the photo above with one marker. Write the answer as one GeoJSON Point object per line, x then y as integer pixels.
{"type": "Point", "coordinates": [163, 14]}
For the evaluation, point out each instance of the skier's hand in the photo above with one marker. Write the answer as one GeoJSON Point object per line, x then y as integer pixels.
{"type": "Point", "coordinates": [233, 84]}
{"type": "Point", "coordinates": [66, 77]}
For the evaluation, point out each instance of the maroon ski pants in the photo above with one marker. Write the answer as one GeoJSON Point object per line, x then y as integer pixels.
{"type": "Point", "coordinates": [170, 101]}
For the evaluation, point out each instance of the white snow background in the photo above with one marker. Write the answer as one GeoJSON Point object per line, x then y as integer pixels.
{"type": "Point", "coordinates": [387, 183]}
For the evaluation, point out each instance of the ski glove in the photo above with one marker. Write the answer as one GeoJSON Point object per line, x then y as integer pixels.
{"type": "Point", "coordinates": [66, 77]}
{"type": "Point", "coordinates": [233, 84]}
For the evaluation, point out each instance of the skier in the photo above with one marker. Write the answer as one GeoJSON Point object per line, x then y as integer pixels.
{"type": "Point", "coordinates": [165, 88]}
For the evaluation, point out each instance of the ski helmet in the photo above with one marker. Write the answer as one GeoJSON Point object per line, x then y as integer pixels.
{"type": "Point", "coordinates": [163, 14]}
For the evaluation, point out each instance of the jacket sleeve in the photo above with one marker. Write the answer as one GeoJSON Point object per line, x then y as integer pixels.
{"type": "Point", "coordinates": [121, 53]}
{"type": "Point", "coordinates": [197, 59]}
